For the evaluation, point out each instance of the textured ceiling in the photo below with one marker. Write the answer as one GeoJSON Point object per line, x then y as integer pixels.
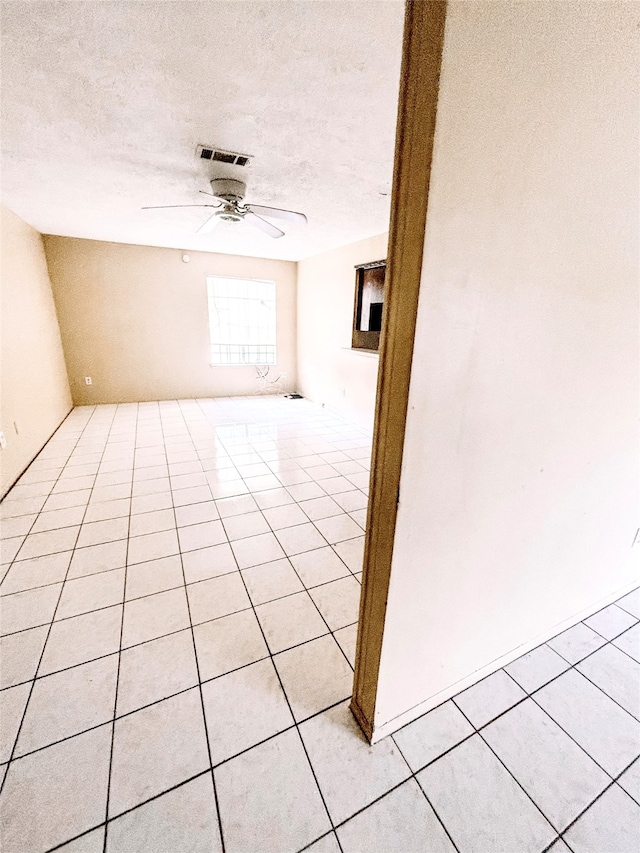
{"type": "Point", "coordinates": [104, 103]}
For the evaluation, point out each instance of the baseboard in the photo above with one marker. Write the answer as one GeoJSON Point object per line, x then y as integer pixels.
{"type": "Point", "coordinates": [377, 732]}
{"type": "Point", "coordinates": [12, 484]}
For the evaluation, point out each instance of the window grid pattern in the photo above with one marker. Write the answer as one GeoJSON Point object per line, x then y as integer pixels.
{"type": "Point", "coordinates": [242, 321]}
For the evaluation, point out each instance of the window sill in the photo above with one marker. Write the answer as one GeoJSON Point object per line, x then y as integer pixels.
{"type": "Point", "coordinates": [359, 351]}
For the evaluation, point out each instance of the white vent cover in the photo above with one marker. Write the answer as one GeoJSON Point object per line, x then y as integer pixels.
{"type": "Point", "coordinates": [218, 155]}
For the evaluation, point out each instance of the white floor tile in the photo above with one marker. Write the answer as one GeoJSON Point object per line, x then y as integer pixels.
{"type": "Point", "coordinates": [98, 532]}
{"type": "Point", "coordinates": [154, 576]}
{"type": "Point", "coordinates": [631, 603]}
{"type": "Point", "coordinates": [20, 654]}
{"type": "Point", "coordinates": [152, 522]}
{"type": "Point", "coordinates": [269, 800]}
{"type": "Point", "coordinates": [152, 546]}
{"type": "Point", "coordinates": [603, 729]}
{"type": "Point", "coordinates": [53, 795]}
{"type": "Point", "coordinates": [612, 824]}
{"type": "Point", "coordinates": [290, 621]}
{"type": "Point", "coordinates": [108, 509]}
{"type": "Point", "coordinates": [429, 736]}
{"type": "Point", "coordinates": [617, 674]}
{"type": "Point", "coordinates": [629, 642]}
{"type": "Point", "coordinates": [92, 592]}
{"type": "Point", "coordinates": [245, 525]}
{"type": "Point", "coordinates": [227, 643]}
{"type": "Point", "coordinates": [196, 513]}
{"type": "Point", "coordinates": [536, 668]}
{"type": "Point", "coordinates": [50, 542]}
{"type": "Point", "coordinates": [238, 505]}
{"type": "Point", "coordinates": [90, 842]}
{"type": "Point", "coordinates": [13, 701]}
{"type": "Point", "coordinates": [216, 597]}
{"type": "Point", "coordinates": [337, 528]}
{"type": "Point", "coordinates": [401, 822]}
{"type": "Point", "coordinates": [244, 708]}
{"type": "Point", "coordinates": [28, 609]}
{"type": "Point", "coordinates": [98, 558]}
{"type": "Point", "coordinates": [271, 580]}
{"type": "Point", "coordinates": [288, 515]}
{"type": "Point", "coordinates": [182, 820]}
{"type": "Point", "coordinates": [57, 518]}
{"type": "Point", "coordinates": [315, 676]}
{"type": "Point", "coordinates": [302, 537]}
{"type": "Point", "coordinates": [326, 844]}
{"type": "Point", "coordinates": [153, 616]}
{"type": "Point", "coordinates": [40, 571]}
{"type": "Point", "coordinates": [155, 670]}
{"type": "Point", "coordinates": [558, 776]}
{"type": "Point", "coordinates": [576, 643]}
{"type": "Point", "coordinates": [257, 549]}
{"type": "Point", "coordinates": [81, 639]}
{"type": "Point", "coordinates": [208, 562]}
{"type": "Point", "coordinates": [481, 805]}
{"type": "Point", "coordinates": [347, 638]}
{"type": "Point", "coordinates": [488, 698]}
{"type": "Point", "coordinates": [272, 498]}
{"type": "Point", "coordinates": [319, 566]}
{"type": "Point", "coordinates": [68, 703]}
{"type": "Point", "coordinates": [351, 552]}
{"type": "Point", "coordinates": [630, 781]}
{"type": "Point", "coordinates": [350, 772]}
{"type": "Point", "coordinates": [201, 535]}
{"type": "Point", "coordinates": [611, 621]}
{"type": "Point", "coordinates": [156, 748]}
{"type": "Point", "coordinates": [338, 602]}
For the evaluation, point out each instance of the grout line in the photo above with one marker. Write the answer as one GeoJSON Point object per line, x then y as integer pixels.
{"type": "Point", "coordinates": [202, 706]}
{"type": "Point", "coordinates": [115, 694]}
{"type": "Point", "coordinates": [53, 616]}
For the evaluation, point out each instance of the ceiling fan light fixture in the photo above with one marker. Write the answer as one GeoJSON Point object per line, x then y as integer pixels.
{"type": "Point", "coordinates": [229, 214]}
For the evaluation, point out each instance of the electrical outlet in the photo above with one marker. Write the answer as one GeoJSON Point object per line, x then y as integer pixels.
{"type": "Point", "coordinates": [3, 441]}
{"type": "Point", "coordinates": [88, 380]}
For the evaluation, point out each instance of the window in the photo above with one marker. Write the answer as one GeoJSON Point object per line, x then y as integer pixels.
{"type": "Point", "coordinates": [242, 320]}
{"type": "Point", "coordinates": [367, 315]}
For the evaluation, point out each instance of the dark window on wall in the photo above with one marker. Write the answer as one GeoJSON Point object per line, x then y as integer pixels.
{"type": "Point", "coordinates": [369, 299]}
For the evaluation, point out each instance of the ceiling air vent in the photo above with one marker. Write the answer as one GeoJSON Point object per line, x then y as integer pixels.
{"type": "Point", "coordinates": [207, 152]}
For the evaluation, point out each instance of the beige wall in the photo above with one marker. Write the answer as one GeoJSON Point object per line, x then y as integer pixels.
{"type": "Point", "coordinates": [134, 318]}
{"type": "Point", "coordinates": [519, 489]}
{"type": "Point", "coordinates": [34, 392]}
{"type": "Point", "coordinates": [329, 371]}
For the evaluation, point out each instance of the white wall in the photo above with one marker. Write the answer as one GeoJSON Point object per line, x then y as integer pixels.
{"type": "Point", "coordinates": [135, 319]}
{"type": "Point", "coordinates": [329, 371]}
{"type": "Point", "coordinates": [519, 490]}
{"type": "Point", "coordinates": [34, 391]}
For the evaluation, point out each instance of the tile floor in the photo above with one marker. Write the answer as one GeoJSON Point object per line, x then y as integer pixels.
{"type": "Point", "coordinates": [180, 586]}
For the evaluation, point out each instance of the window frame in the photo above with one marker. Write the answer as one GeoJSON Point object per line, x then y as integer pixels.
{"type": "Point", "coordinates": [211, 303]}
{"type": "Point", "coordinates": [364, 340]}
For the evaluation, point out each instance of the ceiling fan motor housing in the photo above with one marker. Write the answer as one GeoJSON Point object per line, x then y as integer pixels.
{"type": "Point", "coordinates": [229, 189]}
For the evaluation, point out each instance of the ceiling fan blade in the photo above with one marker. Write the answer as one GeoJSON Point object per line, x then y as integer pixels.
{"type": "Point", "coordinates": [277, 213]}
{"type": "Point", "coordinates": [209, 224]}
{"type": "Point", "coordinates": [167, 206]}
{"type": "Point", "coordinates": [262, 224]}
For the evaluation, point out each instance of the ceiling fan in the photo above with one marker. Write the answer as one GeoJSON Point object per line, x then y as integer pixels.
{"type": "Point", "coordinates": [229, 194]}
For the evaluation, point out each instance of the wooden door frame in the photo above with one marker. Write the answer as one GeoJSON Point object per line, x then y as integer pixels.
{"type": "Point", "coordinates": [417, 106]}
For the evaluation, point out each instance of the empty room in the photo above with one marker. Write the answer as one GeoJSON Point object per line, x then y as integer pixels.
{"type": "Point", "coordinates": [319, 392]}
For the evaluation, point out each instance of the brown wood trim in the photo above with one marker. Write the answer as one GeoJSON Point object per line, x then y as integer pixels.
{"type": "Point", "coordinates": [363, 722]}
{"type": "Point", "coordinates": [418, 99]}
